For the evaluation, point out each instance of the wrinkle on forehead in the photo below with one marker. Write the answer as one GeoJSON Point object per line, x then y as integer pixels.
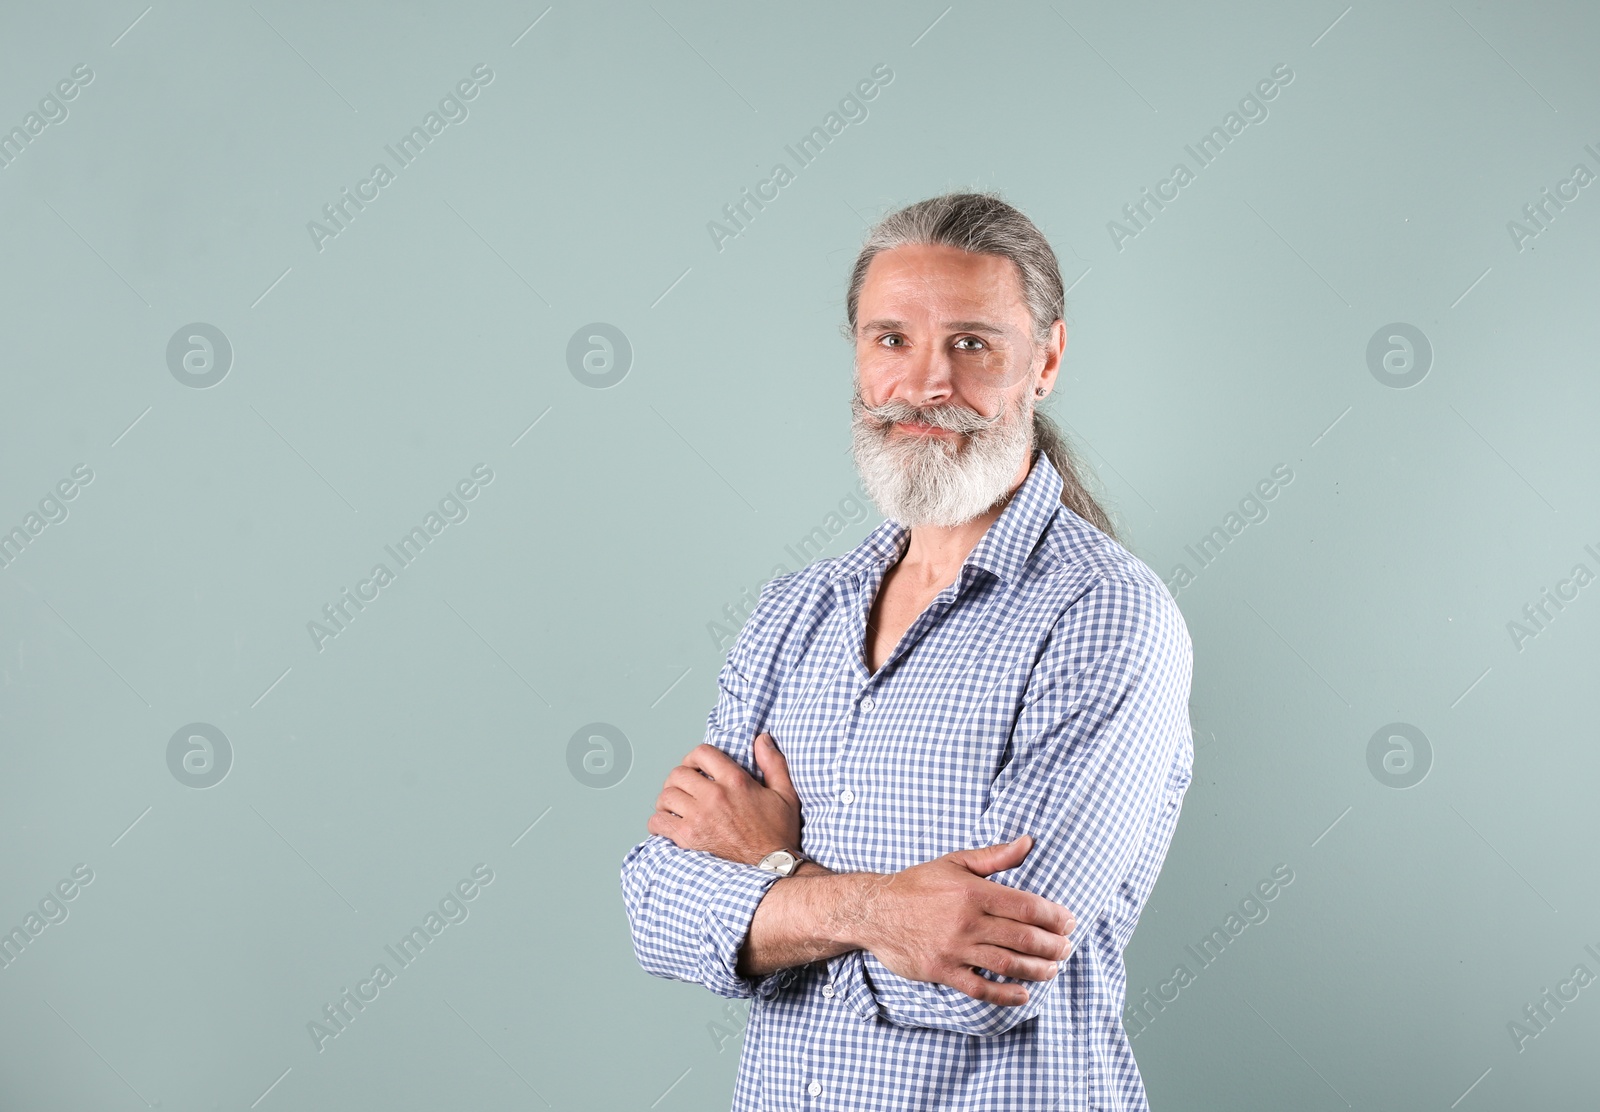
{"type": "Point", "coordinates": [945, 283]}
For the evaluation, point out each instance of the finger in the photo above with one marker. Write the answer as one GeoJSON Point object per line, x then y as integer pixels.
{"type": "Point", "coordinates": [1027, 907]}
{"type": "Point", "coordinates": [1024, 938]}
{"type": "Point", "coordinates": [713, 762]}
{"type": "Point", "coordinates": [984, 860]}
{"type": "Point", "coordinates": [998, 959]}
{"type": "Point", "coordinates": [673, 801]}
{"type": "Point", "coordinates": [990, 992]}
{"type": "Point", "coordinates": [774, 765]}
{"type": "Point", "coordinates": [688, 780]}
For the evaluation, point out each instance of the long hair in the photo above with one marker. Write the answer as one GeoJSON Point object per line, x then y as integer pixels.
{"type": "Point", "coordinates": [983, 223]}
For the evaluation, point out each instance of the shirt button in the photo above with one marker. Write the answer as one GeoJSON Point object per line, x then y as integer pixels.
{"type": "Point", "coordinates": [867, 703]}
{"type": "Point", "coordinates": [847, 796]}
{"type": "Point", "coordinates": [814, 1088]}
{"type": "Point", "coordinates": [827, 990]}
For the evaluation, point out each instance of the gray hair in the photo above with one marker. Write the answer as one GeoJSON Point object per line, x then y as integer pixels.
{"type": "Point", "coordinates": [987, 225]}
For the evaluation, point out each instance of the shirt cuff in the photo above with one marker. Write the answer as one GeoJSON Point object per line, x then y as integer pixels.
{"type": "Point", "coordinates": [847, 975]}
{"type": "Point", "coordinates": [773, 983]}
{"type": "Point", "coordinates": [875, 992]}
{"type": "Point", "coordinates": [729, 909]}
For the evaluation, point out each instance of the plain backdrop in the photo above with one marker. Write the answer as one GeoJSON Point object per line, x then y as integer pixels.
{"type": "Point", "coordinates": [510, 700]}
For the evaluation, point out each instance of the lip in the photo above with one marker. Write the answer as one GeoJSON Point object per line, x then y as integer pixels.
{"type": "Point", "coordinates": [921, 430]}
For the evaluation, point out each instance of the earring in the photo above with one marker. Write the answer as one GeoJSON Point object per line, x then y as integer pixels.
{"type": "Point", "coordinates": [1038, 391]}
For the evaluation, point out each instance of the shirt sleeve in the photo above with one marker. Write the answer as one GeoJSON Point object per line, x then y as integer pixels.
{"type": "Point", "coordinates": [1103, 718]}
{"type": "Point", "coordinates": [689, 911]}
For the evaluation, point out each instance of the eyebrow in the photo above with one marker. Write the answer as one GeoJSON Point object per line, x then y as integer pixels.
{"type": "Point", "coordinates": [949, 325]}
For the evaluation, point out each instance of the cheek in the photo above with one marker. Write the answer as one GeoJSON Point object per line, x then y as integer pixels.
{"type": "Point", "coordinates": [997, 360]}
{"type": "Point", "coordinates": [999, 370]}
{"type": "Point", "coordinates": [1009, 369]}
{"type": "Point", "coordinates": [878, 373]}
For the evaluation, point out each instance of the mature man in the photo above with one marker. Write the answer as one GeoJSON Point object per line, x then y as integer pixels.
{"type": "Point", "coordinates": [972, 731]}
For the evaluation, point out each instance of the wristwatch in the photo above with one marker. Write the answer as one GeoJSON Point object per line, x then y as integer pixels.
{"type": "Point", "coordinates": [782, 861]}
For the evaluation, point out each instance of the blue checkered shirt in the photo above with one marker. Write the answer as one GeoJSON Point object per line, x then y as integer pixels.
{"type": "Point", "coordinates": [1045, 691]}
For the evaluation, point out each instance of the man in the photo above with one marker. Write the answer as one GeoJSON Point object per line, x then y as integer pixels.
{"type": "Point", "coordinates": [973, 729]}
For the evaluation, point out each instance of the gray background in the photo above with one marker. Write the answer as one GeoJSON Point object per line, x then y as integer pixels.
{"type": "Point", "coordinates": [435, 732]}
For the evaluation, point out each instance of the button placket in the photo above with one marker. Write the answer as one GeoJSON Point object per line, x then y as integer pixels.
{"type": "Point", "coordinates": [865, 703]}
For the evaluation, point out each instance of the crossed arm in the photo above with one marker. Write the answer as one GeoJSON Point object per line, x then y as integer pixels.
{"type": "Point", "coordinates": [932, 922]}
{"type": "Point", "coordinates": [1093, 746]}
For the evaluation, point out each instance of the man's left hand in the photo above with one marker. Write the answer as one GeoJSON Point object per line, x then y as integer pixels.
{"type": "Point", "coordinates": [710, 802]}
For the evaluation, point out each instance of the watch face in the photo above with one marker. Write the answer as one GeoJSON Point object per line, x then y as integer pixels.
{"type": "Point", "coordinates": [779, 861]}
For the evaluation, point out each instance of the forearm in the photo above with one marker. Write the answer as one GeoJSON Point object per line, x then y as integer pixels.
{"type": "Point", "coordinates": [813, 915]}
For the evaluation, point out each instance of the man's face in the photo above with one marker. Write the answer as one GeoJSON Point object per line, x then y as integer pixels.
{"type": "Point", "coordinates": [945, 370]}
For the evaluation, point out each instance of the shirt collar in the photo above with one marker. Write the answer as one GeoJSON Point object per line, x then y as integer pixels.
{"type": "Point", "coordinates": [1002, 551]}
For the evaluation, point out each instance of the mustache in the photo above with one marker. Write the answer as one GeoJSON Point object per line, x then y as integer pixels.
{"type": "Point", "coordinates": [953, 417]}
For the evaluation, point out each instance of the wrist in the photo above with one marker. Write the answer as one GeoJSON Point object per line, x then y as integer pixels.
{"type": "Point", "coordinates": [783, 861]}
{"type": "Point", "coordinates": [857, 910]}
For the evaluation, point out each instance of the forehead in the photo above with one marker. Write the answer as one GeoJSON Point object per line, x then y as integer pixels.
{"type": "Point", "coordinates": [936, 280]}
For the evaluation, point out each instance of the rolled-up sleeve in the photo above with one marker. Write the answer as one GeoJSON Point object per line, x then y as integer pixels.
{"type": "Point", "coordinates": [1103, 717]}
{"type": "Point", "coordinates": [689, 911]}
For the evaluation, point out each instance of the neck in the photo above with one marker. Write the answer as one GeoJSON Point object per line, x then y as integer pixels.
{"type": "Point", "coordinates": [936, 552]}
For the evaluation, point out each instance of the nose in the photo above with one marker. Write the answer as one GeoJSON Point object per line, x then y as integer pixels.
{"type": "Point", "coordinates": [927, 377]}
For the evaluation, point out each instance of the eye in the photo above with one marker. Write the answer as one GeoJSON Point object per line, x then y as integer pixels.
{"type": "Point", "coordinates": [975, 340]}
{"type": "Point", "coordinates": [890, 336]}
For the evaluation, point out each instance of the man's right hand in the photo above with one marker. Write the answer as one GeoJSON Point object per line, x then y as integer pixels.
{"type": "Point", "coordinates": [937, 920]}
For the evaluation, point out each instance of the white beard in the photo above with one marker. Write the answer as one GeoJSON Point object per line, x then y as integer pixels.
{"type": "Point", "coordinates": [932, 479]}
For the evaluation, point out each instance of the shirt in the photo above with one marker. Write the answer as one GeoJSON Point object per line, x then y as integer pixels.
{"type": "Point", "coordinates": [1044, 691]}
